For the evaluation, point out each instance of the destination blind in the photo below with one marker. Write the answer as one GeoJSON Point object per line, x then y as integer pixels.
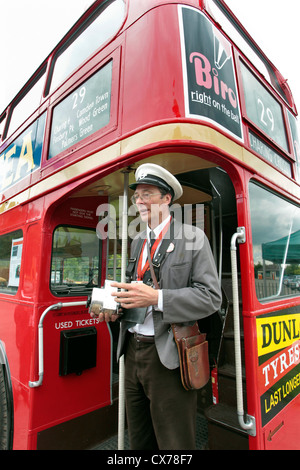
{"type": "Point", "coordinates": [263, 109]}
{"type": "Point", "coordinates": [82, 113]}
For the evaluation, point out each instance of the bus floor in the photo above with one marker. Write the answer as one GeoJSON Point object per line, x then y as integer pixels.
{"type": "Point", "coordinates": [201, 437]}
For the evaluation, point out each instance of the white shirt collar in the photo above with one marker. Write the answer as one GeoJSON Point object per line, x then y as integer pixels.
{"type": "Point", "coordinates": [159, 228]}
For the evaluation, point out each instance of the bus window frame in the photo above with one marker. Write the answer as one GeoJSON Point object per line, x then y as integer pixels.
{"type": "Point", "coordinates": [115, 58]}
{"type": "Point", "coordinates": [46, 69]}
{"type": "Point", "coordinates": [2, 125]}
{"type": "Point", "coordinates": [262, 184]}
{"type": "Point", "coordinates": [13, 234]}
{"type": "Point", "coordinates": [75, 33]}
{"type": "Point", "coordinates": [271, 78]}
{"type": "Point", "coordinates": [240, 59]}
{"type": "Point", "coordinates": [85, 290]}
{"type": "Point", "coordinates": [294, 145]}
{"type": "Point", "coordinates": [28, 88]}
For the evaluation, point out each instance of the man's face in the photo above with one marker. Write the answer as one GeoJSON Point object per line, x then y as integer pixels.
{"type": "Point", "coordinates": [152, 206]}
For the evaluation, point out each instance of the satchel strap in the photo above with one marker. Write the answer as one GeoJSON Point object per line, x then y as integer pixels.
{"type": "Point", "coordinates": [130, 269]}
{"type": "Point", "coordinates": [162, 252]}
{"type": "Point", "coordinates": [132, 261]}
{"type": "Point", "coordinates": [160, 256]}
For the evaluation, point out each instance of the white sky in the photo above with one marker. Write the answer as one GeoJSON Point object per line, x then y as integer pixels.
{"type": "Point", "coordinates": [31, 28]}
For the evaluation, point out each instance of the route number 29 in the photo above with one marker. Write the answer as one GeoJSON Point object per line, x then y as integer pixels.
{"type": "Point", "coordinates": [78, 96]}
{"type": "Point", "coordinates": [266, 116]}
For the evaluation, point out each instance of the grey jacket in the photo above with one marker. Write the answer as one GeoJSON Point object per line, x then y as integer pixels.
{"type": "Point", "coordinates": [190, 285]}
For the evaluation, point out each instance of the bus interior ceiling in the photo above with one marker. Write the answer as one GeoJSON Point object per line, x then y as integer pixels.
{"type": "Point", "coordinates": [204, 183]}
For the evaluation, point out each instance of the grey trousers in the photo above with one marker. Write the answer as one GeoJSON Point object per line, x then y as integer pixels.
{"type": "Point", "coordinates": [161, 414]}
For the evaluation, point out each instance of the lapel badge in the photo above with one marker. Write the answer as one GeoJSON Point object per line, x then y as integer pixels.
{"type": "Point", "coordinates": [170, 248]}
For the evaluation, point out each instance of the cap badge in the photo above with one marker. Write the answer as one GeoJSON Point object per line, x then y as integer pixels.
{"type": "Point", "coordinates": [142, 175]}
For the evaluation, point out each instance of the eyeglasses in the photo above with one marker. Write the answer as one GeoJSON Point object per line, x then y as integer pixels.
{"type": "Point", "coordinates": [145, 197]}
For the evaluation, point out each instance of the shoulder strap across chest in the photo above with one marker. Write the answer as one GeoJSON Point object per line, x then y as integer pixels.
{"type": "Point", "coordinates": [158, 258]}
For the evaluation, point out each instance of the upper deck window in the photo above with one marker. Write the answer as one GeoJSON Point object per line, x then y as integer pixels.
{"type": "Point", "coordinates": [236, 33]}
{"type": "Point", "coordinates": [262, 108]}
{"type": "Point", "coordinates": [88, 39]}
{"type": "Point", "coordinates": [27, 104]}
{"type": "Point", "coordinates": [83, 112]}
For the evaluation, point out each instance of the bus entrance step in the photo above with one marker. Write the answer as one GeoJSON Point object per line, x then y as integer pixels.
{"type": "Point", "coordinates": [224, 431]}
{"type": "Point", "coordinates": [201, 437]}
{"type": "Point", "coordinates": [227, 385]}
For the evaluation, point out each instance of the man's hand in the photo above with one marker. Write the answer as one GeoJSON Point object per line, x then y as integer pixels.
{"type": "Point", "coordinates": [104, 315]}
{"type": "Point", "coordinates": [135, 295]}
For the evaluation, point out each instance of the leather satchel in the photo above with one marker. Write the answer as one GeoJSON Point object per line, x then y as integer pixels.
{"type": "Point", "coordinates": [193, 355]}
{"type": "Point", "coordinates": [192, 349]}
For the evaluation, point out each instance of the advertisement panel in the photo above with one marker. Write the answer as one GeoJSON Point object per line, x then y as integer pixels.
{"type": "Point", "coordinates": [23, 156]}
{"type": "Point", "coordinates": [278, 345]}
{"type": "Point", "coordinates": [208, 72]}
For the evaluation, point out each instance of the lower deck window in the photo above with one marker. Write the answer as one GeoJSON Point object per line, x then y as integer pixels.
{"type": "Point", "coordinates": [11, 246]}
{"type": "Point", "coordinates": [75, 260]}
{"type": "Point", "coordinates": [276, 244]}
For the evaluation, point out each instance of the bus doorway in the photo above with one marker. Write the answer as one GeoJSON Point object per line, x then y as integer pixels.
{"type": "Point", "coordinates": [209, 202]}
{"type": "Point", "coordinates": [90, 218]}
{"type": "Point", "coordinates": [84, 233]}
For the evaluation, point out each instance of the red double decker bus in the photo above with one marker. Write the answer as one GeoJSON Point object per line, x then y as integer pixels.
{"type": "Point", "coordinates": [182, 85]}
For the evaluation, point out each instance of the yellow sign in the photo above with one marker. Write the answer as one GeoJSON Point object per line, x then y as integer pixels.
{"type": "Point", "coordinates": [277, 332]}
